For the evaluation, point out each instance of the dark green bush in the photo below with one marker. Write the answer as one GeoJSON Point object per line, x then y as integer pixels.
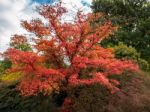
{"type": "Point", "coordinates": [4, 64]}
{"type": "Point", "coordinates": [133, 97]}
{"type": "Point", "coordinates": [12, 101]}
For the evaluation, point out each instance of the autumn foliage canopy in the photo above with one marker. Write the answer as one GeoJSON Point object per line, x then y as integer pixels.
{"type": "Point", "coordinates": [66, 54]}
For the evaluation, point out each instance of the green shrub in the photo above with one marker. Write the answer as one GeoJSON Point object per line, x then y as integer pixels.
{"type": "Point", "coordinates": [122, 51]}
{"type": "Point", "coordinates": [144, 65]}
{"type": "Point", "coordinates": [4, 64]}
{"type": "Point", "coordinates": [12, 101]}
{"type": "Point", "coordinates": [10, 77]}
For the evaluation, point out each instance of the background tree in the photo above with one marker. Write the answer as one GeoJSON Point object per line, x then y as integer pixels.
{"type": "Point", "coordinates": [133, 18]}
{"type": "Point", "coordinates": [20, 42]}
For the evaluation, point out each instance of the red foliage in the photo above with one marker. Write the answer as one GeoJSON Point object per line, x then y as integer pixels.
{"type": "Point", "coordinates": [64, 51]}
{"type": "Point", "coordinates": [18, 39]}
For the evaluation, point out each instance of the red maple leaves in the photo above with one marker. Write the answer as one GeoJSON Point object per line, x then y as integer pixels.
{"type": "Point", "coordinates": [64, 52]}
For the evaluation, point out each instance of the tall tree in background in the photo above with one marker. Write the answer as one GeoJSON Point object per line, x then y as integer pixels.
{"type": "Point", "coordinates": [133, 17]}
{"type": "Point", "coordinates": [66, 54]}
{"type": "Point", "coordinates": [20, 42]}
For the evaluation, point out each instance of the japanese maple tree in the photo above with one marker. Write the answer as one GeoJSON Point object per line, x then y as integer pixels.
{"type": "Point", "coordinates": [67, 54]}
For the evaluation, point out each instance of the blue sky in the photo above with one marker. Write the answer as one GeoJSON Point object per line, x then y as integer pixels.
{"type": "Point", "coordinates": [13, 11]}
{"type": "Point", "coordinates": [43, 1]}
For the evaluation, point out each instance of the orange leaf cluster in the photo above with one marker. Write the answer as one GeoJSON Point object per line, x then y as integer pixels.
{"type": "Point", "coordinates": [65, 52]}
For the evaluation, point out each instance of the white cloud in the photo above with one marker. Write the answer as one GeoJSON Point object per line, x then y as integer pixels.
{"type": "Point", "coordinates": [73, 6]}
{"type": "Point", "coordinates": [77, 4]}
{"type": "Point", "coordinates": [13, 11]}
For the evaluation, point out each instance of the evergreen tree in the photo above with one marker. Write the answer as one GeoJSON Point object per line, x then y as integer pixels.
{"type": "Point", "coordinates": [133, 19]}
